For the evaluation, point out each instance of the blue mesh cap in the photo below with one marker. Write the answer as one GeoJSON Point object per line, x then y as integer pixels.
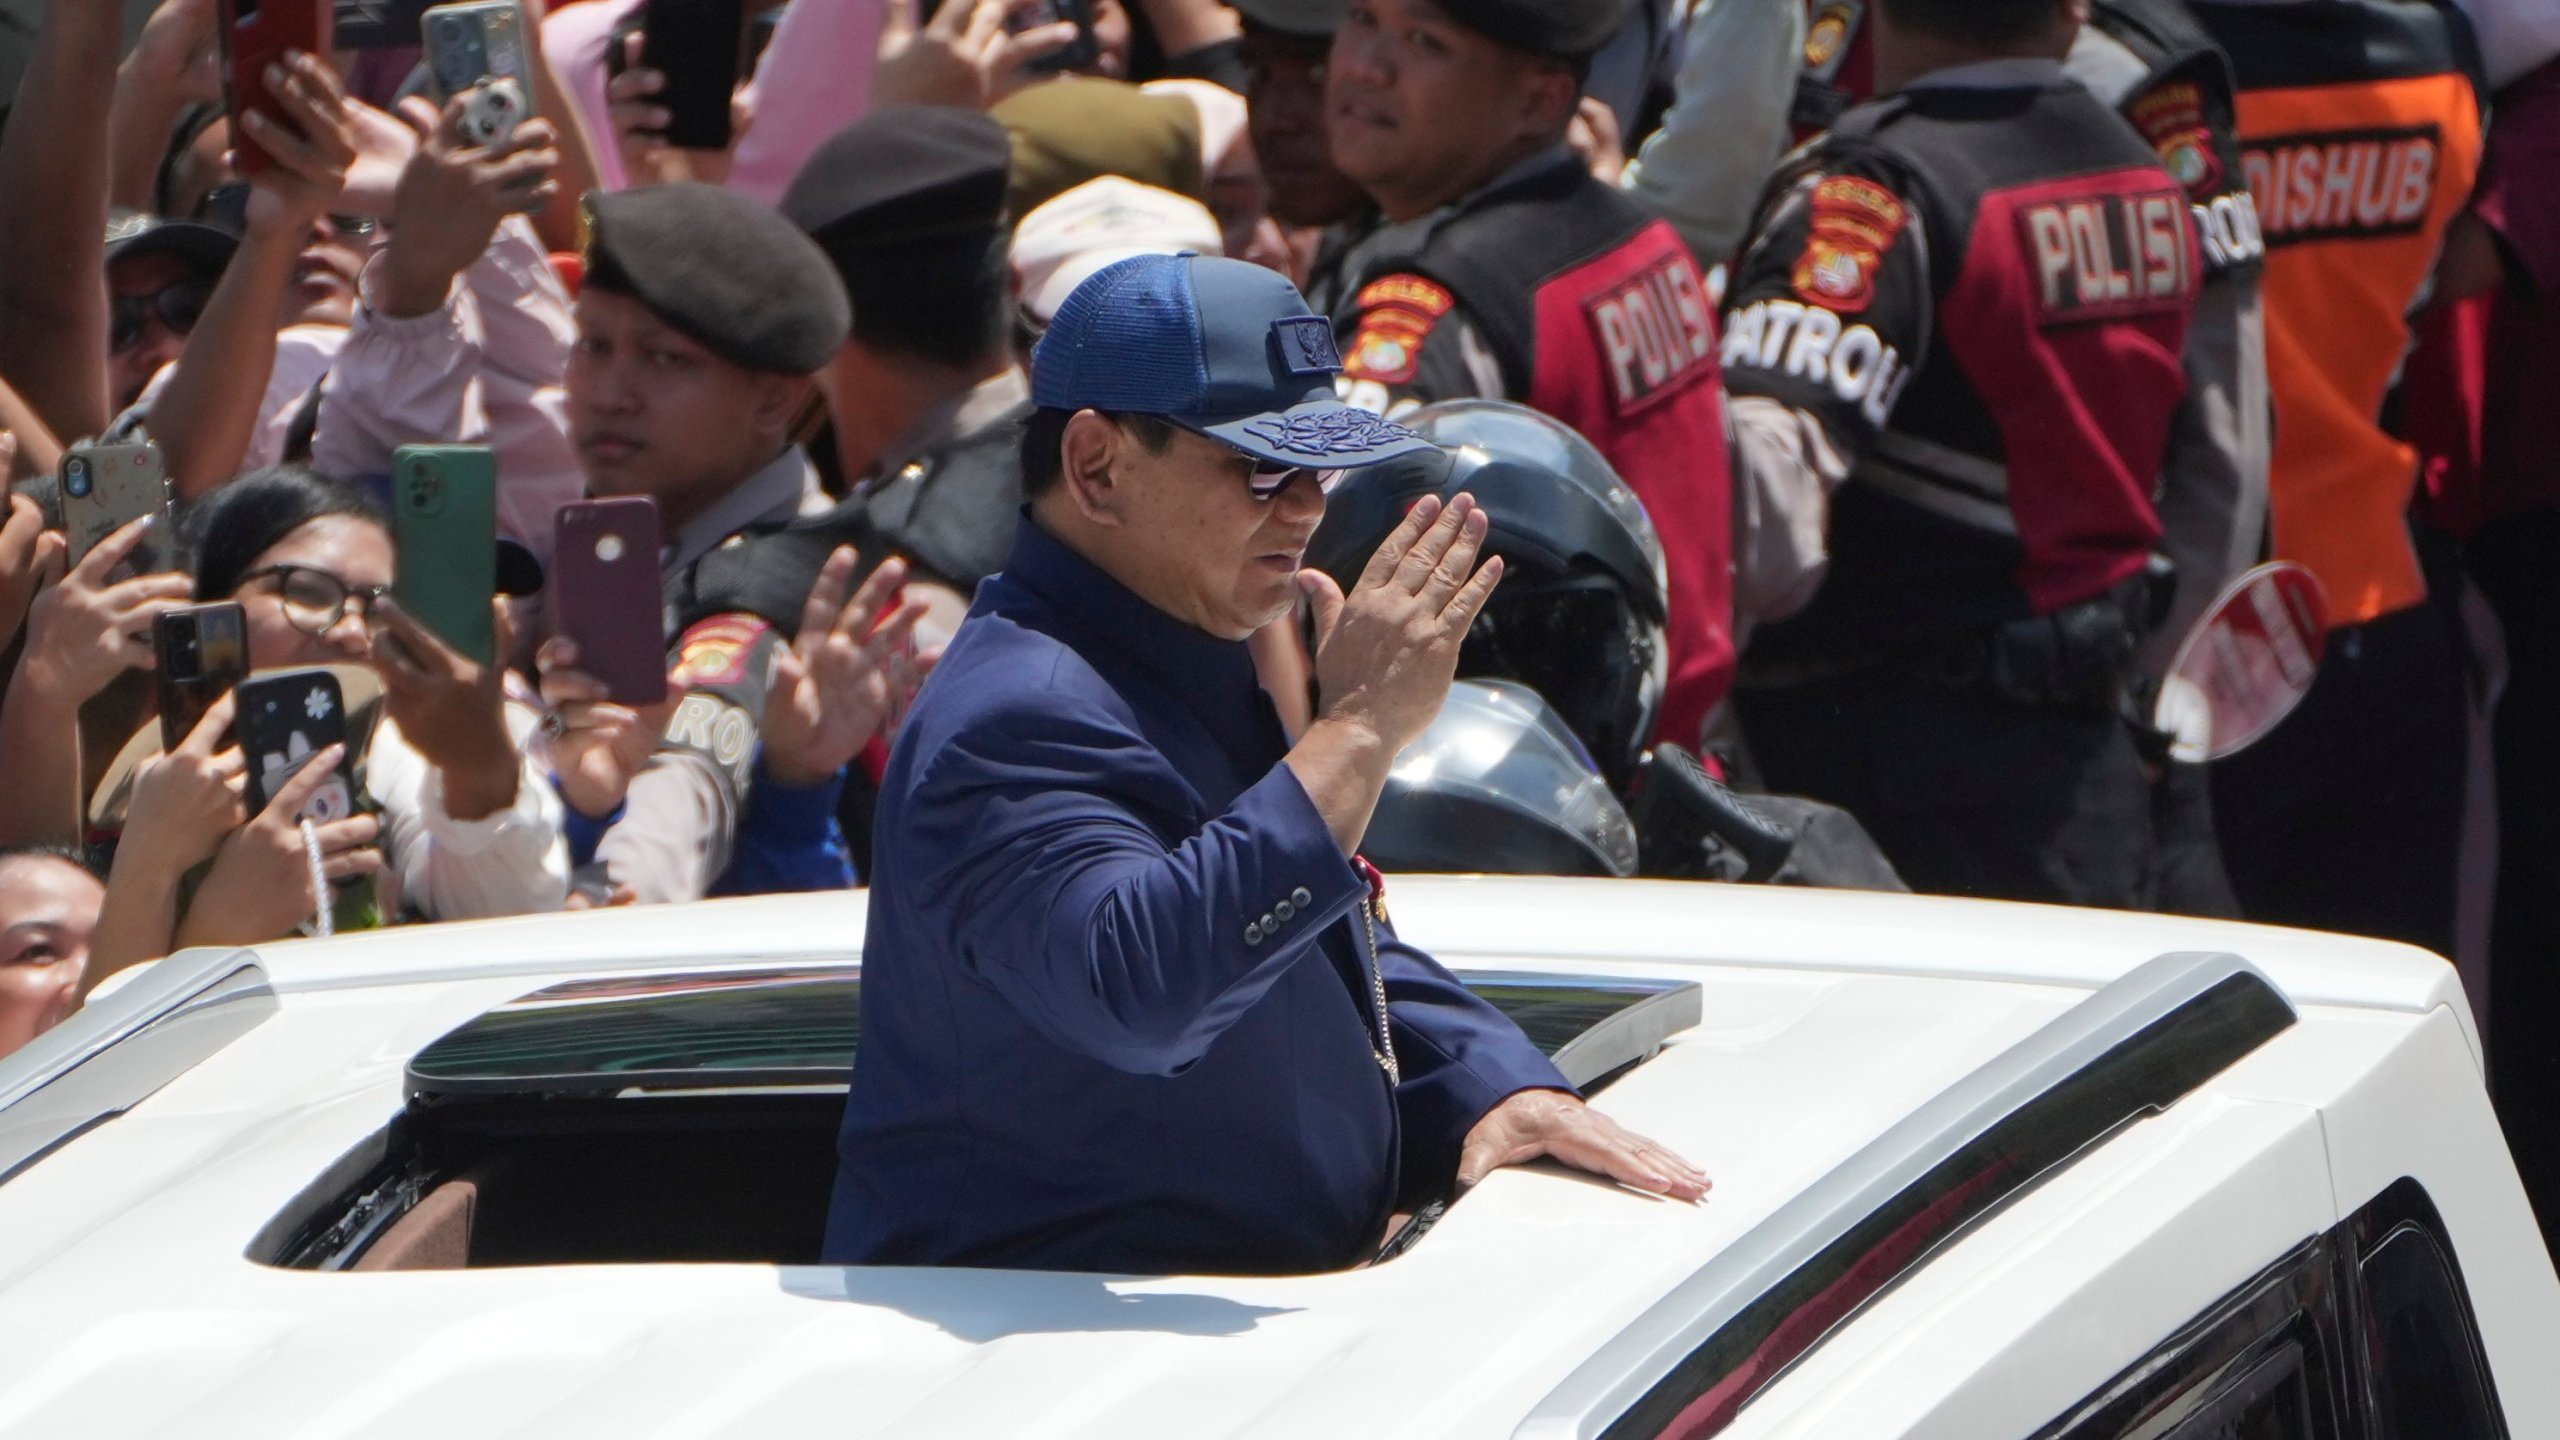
{"type": "Point", "coordinates": [1219, 347]}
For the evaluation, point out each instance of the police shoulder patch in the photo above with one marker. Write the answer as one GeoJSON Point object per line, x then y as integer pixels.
{"type": "Point", "coordinates": [1408, 292]}
{"type": "Point", "coordinates": [2171, 117]}
{"type": "Point", "coordinates": [1827, 36]}
{"type": "Point", "coordinates": [716, 651]}
{"type": "Point", "coordinates": [1397, 316]}
{"type": "Point", "coordinates": [1854, 223]}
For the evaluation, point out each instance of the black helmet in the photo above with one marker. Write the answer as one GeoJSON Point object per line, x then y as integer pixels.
{"type": "Point", "coordinates": [1579, 615]}
{"type": "Point", "coordinates": [1499, 786]}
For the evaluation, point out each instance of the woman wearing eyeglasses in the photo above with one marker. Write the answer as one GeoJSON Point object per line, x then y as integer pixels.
{"type": "Point", "coordinates": [461, 826]}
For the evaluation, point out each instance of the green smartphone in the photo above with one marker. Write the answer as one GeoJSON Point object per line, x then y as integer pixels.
{"type": "Point", "coordinates": [444, 532]}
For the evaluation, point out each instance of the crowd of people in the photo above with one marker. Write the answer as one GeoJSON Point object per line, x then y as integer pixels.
{"type": "Point", "coordinates": [1959, 353]}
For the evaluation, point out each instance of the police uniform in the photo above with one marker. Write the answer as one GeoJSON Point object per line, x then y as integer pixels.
{"type": "Point", "coordinates": [1956, 332]}
{"type": "Point", "coordinates": [1552, 289]}
{"type": "Point", "coordinates": [2361, 139]}
{"type": "Point", "coordinates": [942, 493]}
{"type": "Point", "coordinates": [700, 819]}
{"type": "Point", "coordinates": [1122, 1007]}
{"type": "Point", "coordinates": [2165, 75]}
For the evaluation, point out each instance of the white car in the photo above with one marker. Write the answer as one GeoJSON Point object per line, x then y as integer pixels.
{"type": "Point", "coordinates": [1982, 1172]}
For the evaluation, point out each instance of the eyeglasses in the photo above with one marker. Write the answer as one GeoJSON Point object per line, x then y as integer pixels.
{"type": "Point", "coordinates": [228, 206]}
{"type": "Point", "coordinates": [177, 306]}
{"type": "Point", "coordinates": [1269, 479]}
{"type": "Point", "coordinates": [314, 600]}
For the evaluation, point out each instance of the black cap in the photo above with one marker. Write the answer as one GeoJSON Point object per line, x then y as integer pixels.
{"type": "Point", "coordinates": [1302, 19]}
{"type": "Point", "coordinates": [898, 176]}
{"type": "Point", "coordinates": [1571, 30]}
{"type": "Point", "coordinates": [207, 247]}
{"type": "Point", "coordinates": [723, 269]}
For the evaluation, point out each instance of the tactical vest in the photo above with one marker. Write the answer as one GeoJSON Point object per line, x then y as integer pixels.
{"type": "Point", "coordinates": [2360, 138]}
{"type": "Point", "coordinates": [1598, 316]}
{"type": "Point", "coordinates": [2022, 441]}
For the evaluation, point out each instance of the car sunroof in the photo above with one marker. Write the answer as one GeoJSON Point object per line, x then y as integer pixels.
{"type": "Point", "coordinates": [797, 1026]}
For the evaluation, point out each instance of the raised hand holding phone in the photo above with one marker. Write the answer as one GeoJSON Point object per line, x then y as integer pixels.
{"type": "Point", "coordinates": [452, 195]}
{"type": "Point", "coordinates": [451, 710]}
{"type": "Point", "coordinates": [84, 630]}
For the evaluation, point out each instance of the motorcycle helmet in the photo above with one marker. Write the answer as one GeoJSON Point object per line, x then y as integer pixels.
{"type": "Point", "coordinates": [1579, 615]}
{"type": "Point", "coordinates": [1499, 786]}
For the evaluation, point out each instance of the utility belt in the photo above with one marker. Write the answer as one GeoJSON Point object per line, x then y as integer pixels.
{"type": "Point", "coordinates": [2081, 657]}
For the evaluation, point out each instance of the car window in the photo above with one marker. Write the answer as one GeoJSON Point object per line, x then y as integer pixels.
{"type": "Point", "coordinates": [2265, 1362]}
{"type": "Point", "coordinates": [2428, 1380]}
{"type": "Point", "coordinates": [2272, 1401]}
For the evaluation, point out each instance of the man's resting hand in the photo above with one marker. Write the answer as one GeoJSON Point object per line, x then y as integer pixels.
{"type": "Point", "coordinates": [1550, 1123]}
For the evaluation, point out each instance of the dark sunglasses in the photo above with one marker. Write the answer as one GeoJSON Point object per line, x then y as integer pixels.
{"type": "Point", "coordinates": [228, 206]}
{"type": "Point", "coordinates": [314, 600]}
{"type": "Point", "coordinates": [1269, 480]}
{"type": "Point", "coordinates": [177, 306]}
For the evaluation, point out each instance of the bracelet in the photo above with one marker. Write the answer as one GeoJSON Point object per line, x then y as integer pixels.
{"type": "Point", "coordinates": [323, 920]}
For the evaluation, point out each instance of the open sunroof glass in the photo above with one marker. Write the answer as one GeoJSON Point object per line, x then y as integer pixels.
{"type": "Point", "coordinates": [797, 1026]}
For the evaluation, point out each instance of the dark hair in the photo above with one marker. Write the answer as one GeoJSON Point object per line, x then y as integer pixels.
{"type": "Point", "coordinates": [1975, 22]}
{"type": "Point", "coordinates": [947, 300]}
{"type": "Point", "coordinates": [241, 521]}
{"type": "Point", "coordinates": [1046, 431]}
{"type": "Point", "coordinates": [63, 853]}
{"type": "Point", "coordinates": [193, 121]}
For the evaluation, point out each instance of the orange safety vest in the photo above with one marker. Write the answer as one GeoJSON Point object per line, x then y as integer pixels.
{"type": "Point", "coordinates": [2356, 175]}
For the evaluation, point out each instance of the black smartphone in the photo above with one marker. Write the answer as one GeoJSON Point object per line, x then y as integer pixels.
{"type": "Point", "coordinates": [203, 651]}
{"type": "Point", "coordinates": [700, 46]}
{"type": "Point", "coordinates": [1080, 52]}
{"type": "Point", "coordinates": [282, 720]}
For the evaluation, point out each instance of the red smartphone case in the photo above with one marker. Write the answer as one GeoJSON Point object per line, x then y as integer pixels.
{"type": "Point", "coordinates": [256, 34]}
{"type": "Point", "coordinates": [605, 595]}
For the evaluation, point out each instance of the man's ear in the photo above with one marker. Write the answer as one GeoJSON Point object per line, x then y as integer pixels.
{"type": "Point", "coordinates": [1549, 96]}
{"type": "Point", "coordinates": [779, 399]}
{"type": "Point", "coordinates": [1087, 451]}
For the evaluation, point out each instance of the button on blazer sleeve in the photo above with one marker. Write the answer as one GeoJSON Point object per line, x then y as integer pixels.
{"type": "Point", "coordinates": [1084, 887]}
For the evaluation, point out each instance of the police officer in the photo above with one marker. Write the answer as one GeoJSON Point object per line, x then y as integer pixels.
{"type": "Point", "coordinates": [926, 401]}
{"type": "Point", "coordinates": [1127, 1000]}
{"type": "Point", "coordinates": [702, 318]}
{"type": "Point", "coordinates": [1283, 47]}
{"type": "Point", "coordinates": [2162, 71]}
{"type": "Point", "coordinates": [1952, 347]}
{"type": "Point", "coordinates": [1500, 268]}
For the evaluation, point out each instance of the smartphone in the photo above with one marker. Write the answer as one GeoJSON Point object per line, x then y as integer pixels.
{"type": "Point", "coordinates": [203, 652]}
{"type": "Point", "coordinates": [480, 49]}
{"type": "Point", "coordinates": [605, 595]}
{"type": "Point", "coordinates": [374, 24]}
{"type": "Point", "coordinates": [1079, 52]}
{"type": "Point", "coordinates": [254, 35]}
{"type": "Point", "coordinates": [284, 718]}
{"type": "Point", "coordinates": [700, 46]}
{"type": "Point", "coordinates": [107, 487]}
{"type": "Point", "coordinates": [444, 538]}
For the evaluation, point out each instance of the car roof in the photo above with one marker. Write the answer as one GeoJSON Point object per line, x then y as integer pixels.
{"type": "Point", "coordinates": [1829, 1019]}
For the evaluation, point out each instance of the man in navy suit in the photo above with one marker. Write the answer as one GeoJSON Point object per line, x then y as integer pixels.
{"type": "Point", "coordinates": [1127, 1004]}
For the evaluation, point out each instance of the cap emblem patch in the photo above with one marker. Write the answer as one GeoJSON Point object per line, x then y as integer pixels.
{"type": "Point", "coordinates": [1326, 433]}
{"type": "Point", "coordinates": [1306, 345]}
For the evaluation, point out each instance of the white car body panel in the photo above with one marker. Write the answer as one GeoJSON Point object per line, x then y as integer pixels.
{"type": "Point", "coordinates": [1829, 1017]}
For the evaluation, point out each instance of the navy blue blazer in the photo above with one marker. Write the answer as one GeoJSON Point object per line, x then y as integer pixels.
{"type": "Point", "coordinates": [1115, 1016]}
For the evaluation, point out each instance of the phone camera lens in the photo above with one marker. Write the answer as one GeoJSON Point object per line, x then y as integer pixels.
{"type": "Point", "coordinates": [75, 477]}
